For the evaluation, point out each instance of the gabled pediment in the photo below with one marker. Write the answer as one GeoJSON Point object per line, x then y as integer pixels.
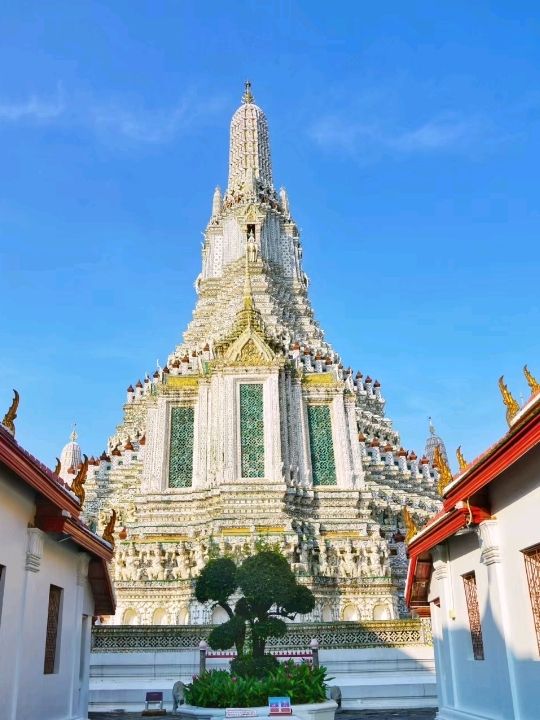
{"type": "Point", "coordinates": [249, 349]}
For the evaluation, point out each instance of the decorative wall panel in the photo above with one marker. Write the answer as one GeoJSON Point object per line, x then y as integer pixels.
{"type": "Point", "coordinates": [320, 441]}
{"type": "Point", "coordinates": [471, 596]}
{"type": "Point", "coordinates": [532, 565]}
{"type": "Point", "coordinates": [252, 430]}
{"type": "Point", "coordinates": [181, 447]}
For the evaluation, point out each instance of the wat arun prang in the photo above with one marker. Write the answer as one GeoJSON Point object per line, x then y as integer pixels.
{"type": "Point", "coordinates": [254, 433]}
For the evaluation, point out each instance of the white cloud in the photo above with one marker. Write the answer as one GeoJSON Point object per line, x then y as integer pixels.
{"type": "Point", "coordinates": [33, 108]}
{"type": "Point", "coordinates": [444, 133]}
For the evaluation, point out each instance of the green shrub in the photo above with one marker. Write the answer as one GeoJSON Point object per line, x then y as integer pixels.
{"type": "Point", "coordinates": [257, 667]}
{"type": "Point", "coordinates": [220, 689]}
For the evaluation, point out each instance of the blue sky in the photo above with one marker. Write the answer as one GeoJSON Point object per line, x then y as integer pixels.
{"type": "Point", "coordinates": [407, 135]}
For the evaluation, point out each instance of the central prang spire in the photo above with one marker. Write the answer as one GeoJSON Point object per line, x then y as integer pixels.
{"type": "Point", "coordinates": [249, 151]}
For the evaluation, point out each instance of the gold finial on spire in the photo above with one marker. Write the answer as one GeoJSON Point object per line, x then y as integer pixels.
{"type": "Point", "coordinates": [410, 526]}
{"type": "Point", "coordinates": [9, 418]}
{"type": "Point", "coordinates": [532, 382]}
{"type": "Point", "coordinates": [108, 531]}
{"type": "Point", "coordinates": [463, 464]}
{"type": "Point", "coordinates": [77, 486]}
{"type": "Point", "coordinates": [512, 405]}
{"type": "Point", "coordinates": [247, 97]}
{"type": "Point", "coordinates": [58, 467]}
{"type": "Point", "coordinates": [442, 467]}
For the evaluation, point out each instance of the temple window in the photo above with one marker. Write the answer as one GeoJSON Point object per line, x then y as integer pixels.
{"type": "Point", "coordinates": [532, 567]}
{"type": "Point", "coordinates": [50, 664]}
{"type": "Point", "coordinates": [181, 447]}
{"type": "Point", "coordinates": [251, 430]}
{"type": "Point", "coordinates": [323, 464]}
{"type": "Point", "coordinates": [473, 609]}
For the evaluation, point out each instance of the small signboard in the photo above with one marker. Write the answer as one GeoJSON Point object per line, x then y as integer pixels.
{"type": "Point", "coordinates": [279, 706]}
{"type": "Point", "coordinates": [240, 712]}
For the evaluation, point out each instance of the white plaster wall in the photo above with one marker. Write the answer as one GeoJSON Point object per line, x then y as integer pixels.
{"type": "Point", "coordinates": [25, 691]}
{"type": "Point", "coordinates": [506, 684]}
{"type": "Point", "coordinates": [516, 504]}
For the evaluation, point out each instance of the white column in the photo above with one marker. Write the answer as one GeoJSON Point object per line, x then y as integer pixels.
{"type": "Point", "coordinates": [340, 441]}
{"type": "Point", "coordinates": [272, 430]}
{"type": "Point", "coordinates": [200, 429]}
{"type": "Point", "coordinates": [76, 681]}
{"type": "Point", "coordinates": [350, 409]}
{"type": "Point", "coordinates": [488, 533]}
{"type": "Point", "coordinates": [446, 670]}
{"type": "Point", "coordinates": [34, 555]}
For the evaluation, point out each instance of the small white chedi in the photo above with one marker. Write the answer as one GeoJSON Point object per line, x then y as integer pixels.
{"type": "Point", "coordinates": [255, 432]}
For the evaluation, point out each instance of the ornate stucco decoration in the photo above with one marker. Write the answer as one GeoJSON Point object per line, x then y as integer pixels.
{"type": "Point", "coordinates": [512, 405]}
{"type": "Point", "coordinates": [333, 479]}
{"type": "Point", "coordinates": [445, 474]}
{"type": "Point", "coordinates": [9, 418]}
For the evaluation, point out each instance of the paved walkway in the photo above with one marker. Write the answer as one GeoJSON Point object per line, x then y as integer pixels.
{"type": "Point", "coordinates": [419, 714]}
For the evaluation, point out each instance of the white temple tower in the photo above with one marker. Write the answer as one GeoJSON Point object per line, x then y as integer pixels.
{"type": "Point", "coordinates": [254, 432]}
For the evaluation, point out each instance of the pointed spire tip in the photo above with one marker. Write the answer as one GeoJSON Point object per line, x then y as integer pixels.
{"type": "Point", "coordinates": [247, 97]}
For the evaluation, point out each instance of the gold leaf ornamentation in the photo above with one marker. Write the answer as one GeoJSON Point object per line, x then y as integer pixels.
{"type": "Point", "coordinates": [512, 405]}
{"type": "Point", "coordinates": [9, 418]}
{"type": "Point", "coordinates": [77, 486]}
{"type": "Point", "coordinates": [410, 526]}
{"type": "Point", "coordinates": [108, 532]}
{"type": "Point", "coordinates": [463, 464]}
{"type": "Point", "coordinates": [58, 467]}
{"type": "Point", "coordinates": [442, 467]}
{"type": "Point", "coordinates": [532, 382]}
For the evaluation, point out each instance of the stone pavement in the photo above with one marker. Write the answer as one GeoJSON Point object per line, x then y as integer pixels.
{"type": "Point", "coordinates": [412, 714]}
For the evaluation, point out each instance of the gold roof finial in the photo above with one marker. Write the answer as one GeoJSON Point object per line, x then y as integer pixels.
{"type": "Point", "coordinates": [58, 468]}
{"type": "Point", "coordinates": [512, 405]}
{"type": "Point", "coordinates": [247, 97]}
{"type": "Point", "coordinates": [532, 382]}
{"type": "Point", "coordinates": [410, 526]}
{"type": "Point", "coordinates": [442, 467]}
{"type": "Point", "coordinates": [77, 486]}
{"type": "Point", "coordinates": [463, 464]}
{"type": "Point", "coordinates": [108, 531]}
{"type": "Point", "coordinates": [9, 418]}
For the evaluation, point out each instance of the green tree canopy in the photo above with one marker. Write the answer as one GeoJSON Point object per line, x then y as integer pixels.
{"type": "Point", "coordinates": [269, 592]}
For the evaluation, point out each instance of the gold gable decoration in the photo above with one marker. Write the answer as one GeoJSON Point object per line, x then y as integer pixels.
{"type": "Point", "coordinates": [442, 467]}
{"type": "Point", "coordinates": [411, 528]}
{"type": "Point", "coordinates": [532, 382]}
{"type": "Point", "coordinates": [9, 418]}
{"type": "Point", "coordinates": [512, 405]}
{"type": "Point", "coordinates": [77, 486]}
{"type": "Point", "coordinates": [463, 464]}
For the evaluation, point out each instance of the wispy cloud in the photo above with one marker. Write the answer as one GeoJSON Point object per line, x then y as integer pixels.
{"type": "Point", "coordinates": [32, 108]}
{"type": "Point", "coordinates": [113, 118]}
{"type": "Point", "coordinates": [443, 133]}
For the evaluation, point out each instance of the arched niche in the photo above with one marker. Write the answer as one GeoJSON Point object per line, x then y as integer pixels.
{"type": "Point", "coordinates": [218, 616]}
{"type": "Point", "coordinates": [130, 617]}
{"type": "Point", "coordinates": [350, 613]}
{"type": "Point", "coordinates": [160, 617]}
{"type": "Point", "coordinates": [382, 611]}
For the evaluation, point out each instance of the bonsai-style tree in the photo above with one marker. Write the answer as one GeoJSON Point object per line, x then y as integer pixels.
{"type": "Point", "coordinates": [270, 593]}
